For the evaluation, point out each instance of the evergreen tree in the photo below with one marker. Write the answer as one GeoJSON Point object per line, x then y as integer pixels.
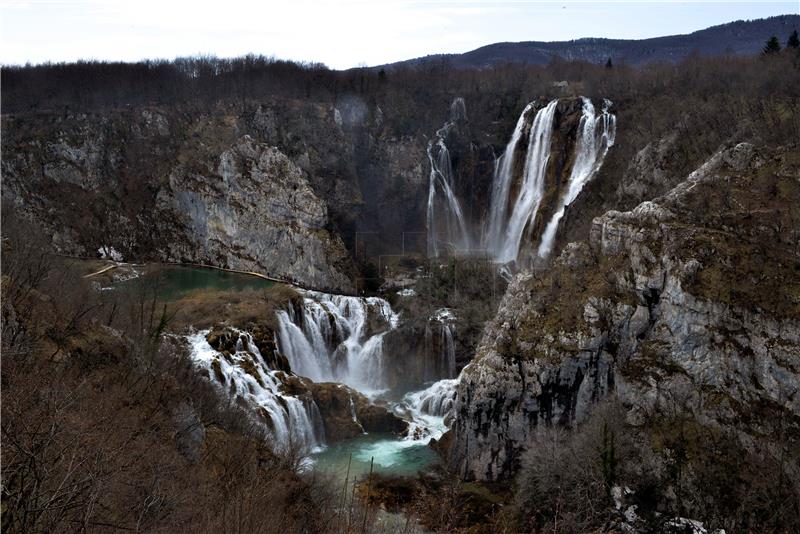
{"type": "Point", "coordinates": [608, 64]}
{"type": "Point", "coordinates": [793, 41]}
{"type": "Point", "coordinates": [772, 46]}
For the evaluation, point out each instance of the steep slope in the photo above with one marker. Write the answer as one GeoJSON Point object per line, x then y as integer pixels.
{"type": "Point", "coordinates": [695, 293]}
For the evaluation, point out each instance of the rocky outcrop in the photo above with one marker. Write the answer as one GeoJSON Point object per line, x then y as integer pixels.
{"type": "Point", "coordinates": [255, 212]}
{"type": "Point", "coordinates": [227, 340]}
{"type": "Point", "coordinates": [692, 299]}
{"type": "Point", "coordinates": [345, 412]}
{"type": "Point", "coordinates": [164, 186]}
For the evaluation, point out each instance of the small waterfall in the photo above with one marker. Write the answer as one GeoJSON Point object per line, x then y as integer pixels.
{"type": "Point", "coordinates": [437, 400]}
{"type": "Point", "coordinates": [353, 413]}
{"type": "Point", "coordinates": [328, 339]}
{"type": "Point", "coordinates": [448, 350]}
{"type": "Point", "coordinates": [447, 360]}
{"type": "Point", "coordinates": [290, 420]}
{"type": "Point", "coordinates": [455, 233]}
{"type": "Point", "coordinates": [595, 136]}
{"type": "Point", "coordinates": [458, 110]}
{"type": "Point", "coordinates": [509, 235]}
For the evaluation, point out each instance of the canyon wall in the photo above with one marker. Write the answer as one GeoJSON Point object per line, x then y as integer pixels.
{"type": "Point", "coordinates": [690, 296]}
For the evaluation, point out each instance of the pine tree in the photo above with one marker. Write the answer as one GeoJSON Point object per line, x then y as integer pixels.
{"type": "Point", "coordinates": [793, 41]}
{"type": "Point", "coordinates": [609, 65]}
{"type": "Point", "coordinates": [772, 46]}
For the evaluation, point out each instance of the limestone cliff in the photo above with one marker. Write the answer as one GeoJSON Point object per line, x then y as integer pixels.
{"type": "Point", "coordinates": [695, 294]}
{"type": "Point", "coordinates": [159, 186]}
{"type": "Point", "coordinates": [254, 212]}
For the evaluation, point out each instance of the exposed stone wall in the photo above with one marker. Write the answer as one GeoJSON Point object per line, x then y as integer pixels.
{"type": "Point", "coordinates": [696, 291]}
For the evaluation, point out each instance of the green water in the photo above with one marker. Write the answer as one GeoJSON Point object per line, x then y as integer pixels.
{"type": "Point", "coordinates": [392, 456]}
{"type": "Point", "coordinates": [175, 282]}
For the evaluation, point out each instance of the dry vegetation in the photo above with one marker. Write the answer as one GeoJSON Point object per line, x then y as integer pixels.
{"type": "Point", "coordinates": [206, 308]}
{"type": "Point", "coordinates": [106, 426]}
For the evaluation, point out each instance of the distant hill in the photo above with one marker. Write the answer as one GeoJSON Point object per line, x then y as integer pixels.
{"type": "Point", "coordinates": [740, 37]}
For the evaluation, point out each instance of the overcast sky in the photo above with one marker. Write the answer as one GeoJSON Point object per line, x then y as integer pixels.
{"type": "Point", "coordinates": [339, 33]}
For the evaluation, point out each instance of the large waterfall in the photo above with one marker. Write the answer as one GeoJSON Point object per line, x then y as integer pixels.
{"type": "Point", "coordinates": [334, 338]}
{"type": "Point", "coordinates": [443, 205]}
{"type": "Point", "coordinates": [518, 186]}
{"type": "Point", "coordinates": [291, 421]}
{"type": "Point", "coordinates": [501, 186]}
{"type": "Point", "coordinates": [595, 136]}
{"type": "Point", "coordinates": [508, 234]}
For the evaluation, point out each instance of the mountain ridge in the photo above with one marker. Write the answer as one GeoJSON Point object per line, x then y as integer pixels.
{"type": "Point", "coordinates": [740, 37]}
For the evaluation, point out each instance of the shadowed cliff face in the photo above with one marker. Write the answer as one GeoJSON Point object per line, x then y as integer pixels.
{"type": "Point", "coordinates": [171, 186]}
{"type": "Point", "coordinates": [693, 295]}
{"type": "Point", "coordinates": [228, 185]}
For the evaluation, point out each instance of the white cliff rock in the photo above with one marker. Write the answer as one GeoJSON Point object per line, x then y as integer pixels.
{"type": "Point", "coordinates": [656, 303]}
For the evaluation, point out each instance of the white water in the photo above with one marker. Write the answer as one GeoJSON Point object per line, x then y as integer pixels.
{"type": "Point", "coordinates": [443, 205]}
{"type": "Point", "coordinates": [505, 243]}
{"type": "Point", "coordinates": [328, 340]}
{"type": "Point", "coordinates": [595, 135]}
{"type": "Point", "coordinates": [437, 400]}
{"type": "Point", "coordinates": [293, 420]}
{"type": "Point", "coordinates": [448, 350]}
{"type": "Point", "coordinates": [501, 185]}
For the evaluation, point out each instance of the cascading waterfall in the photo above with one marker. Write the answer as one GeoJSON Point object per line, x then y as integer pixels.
{"type": "Point", "coordinates": [327, 339]}
{"type": "Point", "coordinates": [503, 176]}
{"type": "Point", "coordinates": [429, 408]}
{"type": "Point", "coordinates": [436, 400]}
{"type": "Point", "coordinates": [526, 205]}
{"type": "Point", "coordinates": [291, 421]}
{"type": "Point", "coordinates": [448, 350]}
{"type": "Point", "coordinates": [504, 231]}
{"type": "Point", "coordinates": [595, 136]}
{"type": "Point", "coordinates": [455, 233]}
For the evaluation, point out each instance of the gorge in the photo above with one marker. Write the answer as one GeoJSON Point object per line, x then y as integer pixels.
{"type": "Point", "coordinates": [517, 299]}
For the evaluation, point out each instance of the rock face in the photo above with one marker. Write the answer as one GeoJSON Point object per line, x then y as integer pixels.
{"type": "Point", "coordinates": [155, 186]}
{"type": "Point", "coordinates": [256, 212]}
{"type": "Point", "coordinates": [346, 413]}
{"type": "Point", "coordinates": [228, 340]}
{"type": "Point", "coordinates": [692, 299]}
